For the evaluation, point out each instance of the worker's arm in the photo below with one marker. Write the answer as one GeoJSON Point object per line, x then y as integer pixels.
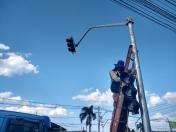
{"type": "Point", "coordinates": [115, 76]}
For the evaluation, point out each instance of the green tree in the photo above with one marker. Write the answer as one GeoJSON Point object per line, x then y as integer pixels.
{"type": "Point", "coordinates": [88, 115]}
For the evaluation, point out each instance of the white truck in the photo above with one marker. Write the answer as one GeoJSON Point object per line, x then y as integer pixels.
{"type": "Point", "coordinates": [22, 122]}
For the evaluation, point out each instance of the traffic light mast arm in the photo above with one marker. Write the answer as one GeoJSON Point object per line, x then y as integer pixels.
{"type": "Point", "coordinates": [102, 26]}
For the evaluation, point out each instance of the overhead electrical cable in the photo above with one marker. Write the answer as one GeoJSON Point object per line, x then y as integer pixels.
{"type": "Point", "coordinates": [151, 11]}
{"type": "Point", "coordinates": [167, 5]}
{"type": "Point", "coordinates": [35, 103]}
{"type": "Point", "coordinates": [171, 2]}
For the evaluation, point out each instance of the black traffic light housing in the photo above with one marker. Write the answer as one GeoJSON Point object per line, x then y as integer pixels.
{"type": "Point", "coordinates": [71, 45]}
{"type": "Point", "coordinates": [130, 93]}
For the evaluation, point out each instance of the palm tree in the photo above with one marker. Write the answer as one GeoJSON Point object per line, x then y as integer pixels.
{"type": "Point", "coordinates": [87, 113]}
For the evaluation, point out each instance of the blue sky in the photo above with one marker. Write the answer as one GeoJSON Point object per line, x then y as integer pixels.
{"type": "Point", "coordinates": [34, 34]}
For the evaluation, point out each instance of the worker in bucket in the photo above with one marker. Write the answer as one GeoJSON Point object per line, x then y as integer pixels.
{"type": "Point", "coordinates": [116, 80]}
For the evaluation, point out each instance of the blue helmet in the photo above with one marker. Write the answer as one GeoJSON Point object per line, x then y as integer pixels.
{"type": "Point", "coordinates": [120, 64]}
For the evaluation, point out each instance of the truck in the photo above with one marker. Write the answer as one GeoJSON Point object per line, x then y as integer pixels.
{"type": "Point", "coordinates": [11, 121]}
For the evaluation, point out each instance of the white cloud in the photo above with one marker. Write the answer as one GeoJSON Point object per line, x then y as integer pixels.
{"type": "Point", "coordinates": [159, 116]}
{"type": "Point", "coordinates": [4, 47]}
{"type": "Point", "coordinates": [96, 97]}
{"type": "Point", "coordinates": [154, 100]}
{"type": "Point", "coordinates": [170, 97]}
{"type": "Point", "coordinates": [20, 105]}
{"type": "Point", "coordinates": [52, 112]}
{"type": "Point", "coordinates": [8, 97]}
{"type": "Point", "coordinates": [162, 106]}
{"type": "Point", "coordinates": [15, 64]}
{"type": "Point", "coordinates": [159, 122]}
{"type": "Point", "coordinates": [6, 94]}
{"type": "Point", "coordinates": [16, 98]}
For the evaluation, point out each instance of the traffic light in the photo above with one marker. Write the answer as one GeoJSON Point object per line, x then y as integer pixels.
{"type": "Point", "coordinates": [130, 93]}
{"type": "Point", "coordinates": [133, 106]}
{"type": "Point", "coordinates": [130, 99]}
{"type": "Point", "coordinates": [71, 45]}
{"type": "Point", "coordinates": [125, 77]}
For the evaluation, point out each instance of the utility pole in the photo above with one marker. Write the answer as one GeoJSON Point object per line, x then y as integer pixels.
{"type": "Point", "coordinates": [169, 125]}
{"type": "Point", "coordinates": [139, 80]}
{"type": "Point", "coordinates": [99, 119]}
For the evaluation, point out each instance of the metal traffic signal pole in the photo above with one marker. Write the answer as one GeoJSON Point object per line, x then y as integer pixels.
{"type": "Point", "coordinates": [141, 93]}
{"type": "Point", "coordinates": [139, 80]}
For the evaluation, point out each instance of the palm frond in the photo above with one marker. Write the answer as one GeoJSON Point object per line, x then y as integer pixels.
{"type": "Point", "coordinates": [84, 109]}
{"type": "Point", "coordinates": [82, 116]}
{"type": "Point", "coordinates": [88, 114]}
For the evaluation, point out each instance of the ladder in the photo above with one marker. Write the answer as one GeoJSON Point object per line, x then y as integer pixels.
{"type": "Point", "coordinates": [120, 114]}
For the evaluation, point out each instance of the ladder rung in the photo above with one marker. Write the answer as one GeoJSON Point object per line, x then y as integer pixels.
{"type": "Point", "coordinates": [124, 107]}
{"type": "Point", "coordinates": [122, 121]}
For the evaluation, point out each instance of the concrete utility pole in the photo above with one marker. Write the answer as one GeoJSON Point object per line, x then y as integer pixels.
{"type": "Point", "coordinates": [139, 81]}
{"type": "Point", "coordinates": [141, 93]}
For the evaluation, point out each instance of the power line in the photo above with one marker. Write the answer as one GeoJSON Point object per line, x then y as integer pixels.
{"type": "Point", "coordinates": [21, 102]}
{"type": "Point", "coordinates": [70, 123]}
{"type": "Point", "coordinates": [171, 2]}
{"type": "Point", "coordinates": [165, 4]}
{"type": "Point", "coordinates": [162, 109]}
{"type": "Point", "coordinates": [65, 117]}
{"type": "Point", "coordinates": [157, 9]}
{"type": "Point", "coordinates": [142, 13]}
{"type": "Point", "coordinates": [162, 105]}
{"type": "Point", "coordinates": [151, 11]}
{"type": "Point", "coordinates": [35, 103]}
